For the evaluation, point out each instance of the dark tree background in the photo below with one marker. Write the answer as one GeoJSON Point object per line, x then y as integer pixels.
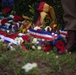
{"type": "Point", "coordinates": [0, 5]}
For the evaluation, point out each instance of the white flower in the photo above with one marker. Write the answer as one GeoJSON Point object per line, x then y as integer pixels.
{"type": "Point", "coordinates": [35, 41]}
{"type": "Point", "coordinates": [19, 40]}
{"type": "Point", "coordinates": [2, 40]}
{"type": "Point", "coordinates": [33, 47]}
{"type": "Point", "coordinates": [27, 67]}
{"type": "Point", "coordinates": [11, 16]}
{"type": "Point", "coordinates": [48, 53]}
{"type": "Point", "coordinates": [34, 65]}
{"type": "Point", "coordinates": [57, 56]}
{"type": "Point", "coordinates": [39, 47]}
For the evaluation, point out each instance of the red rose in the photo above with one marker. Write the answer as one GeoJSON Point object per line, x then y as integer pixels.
{"type": "Point", "coordinates": [46, 47]}
{"type": "Point", "coordinates": [60, 45]}
{"type": "Point", "coordinates": [4, 21]}
{"type": "Point", "coordinates": [6, 10]}
{"type": "Point", "coordinates": [17, 18]}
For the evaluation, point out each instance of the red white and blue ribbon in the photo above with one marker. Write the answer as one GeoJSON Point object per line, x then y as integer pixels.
{"type": "Point", "coordinates": [13, 41]}
{"type": "Point", "coordinates": [63, 33]}
{"type": "Point", "coordinates": [7, 39]}
{"type": "Point", "coordinates": [41, 34]}
{"type": "Point", "coordinates": [6, 27]}
{"type": "Point", "coordinates": [10, 38]}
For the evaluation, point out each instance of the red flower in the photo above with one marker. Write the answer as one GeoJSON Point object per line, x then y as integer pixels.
{"type": "Point", "coordinates": [17, 18]}
{"type": "Point", "coordinates": [46, 47]}
{"type": "Point", "coordinates": [4, 21]}
{"type": "Point", "coordinates": [26, 38]}
{"type": "Point", "coordinates": [6, 10]}
{"type": "Point", "coordinates": [60, 46]}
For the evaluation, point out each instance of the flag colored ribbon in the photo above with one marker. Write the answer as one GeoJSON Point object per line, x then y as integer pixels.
{"type": "Point", "coordinates": [7, 39]}
{"type": "Point", "coordinates": [63, 33]}
{"type": "Point", "coordinates": [41, 34]}
{"type": "Point", "coordinates": [4, 28]}
{"type": "Point", "coordinates": [10, 38]}
{"type": "Point", "coordinates": [13, 41]}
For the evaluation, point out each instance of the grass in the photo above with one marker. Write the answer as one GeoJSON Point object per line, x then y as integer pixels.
{"type": "Point", "coordinates": [48, 62]}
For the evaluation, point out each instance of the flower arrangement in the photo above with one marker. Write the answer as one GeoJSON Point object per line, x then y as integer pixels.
{"type": "Point", "coordinates": [37, 37]}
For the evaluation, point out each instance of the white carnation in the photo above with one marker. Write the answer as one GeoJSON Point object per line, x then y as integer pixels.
{"type": "Point", "coordinates": [34, 65]}
{"type": "Point", "coordinates": [27, 67]}
{"type": "Point", "coordinates": [19, 40]}
{"type": "Point", "coordinates": [33, 47]}
{"type": "Point", "coordinates": [39, 47]}
{"type": "Point", "coordinates": [35, 41]}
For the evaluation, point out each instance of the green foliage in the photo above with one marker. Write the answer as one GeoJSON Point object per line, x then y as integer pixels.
{"type": "Point", "coordinates": [32, 11]}
{"type": "Point", "coordinates": [48, 62]}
